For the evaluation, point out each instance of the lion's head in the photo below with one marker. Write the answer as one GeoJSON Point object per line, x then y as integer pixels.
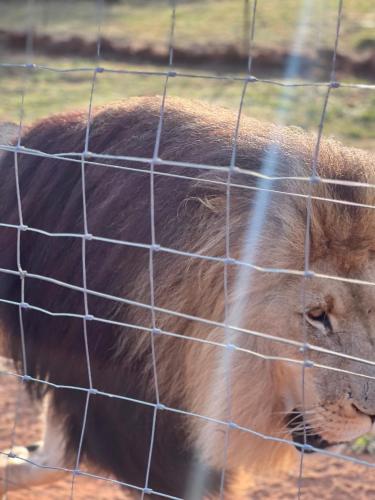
{"type": "Point", "coordinates": [296, 390]}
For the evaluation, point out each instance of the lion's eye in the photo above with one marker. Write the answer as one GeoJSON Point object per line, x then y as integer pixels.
{"type": "Point", "coordinates": [319, 316]}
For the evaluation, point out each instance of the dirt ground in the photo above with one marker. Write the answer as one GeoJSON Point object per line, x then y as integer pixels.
{"type": "Point", "coordinates": [264, 59]}
{"type": "Point", "coordinates": [27, 426]}
{"type": "Point", "coordinates": [324, 478]}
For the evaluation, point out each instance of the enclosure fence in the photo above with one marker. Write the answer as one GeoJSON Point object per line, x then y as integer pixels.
{"type": "Point", "coordinates": [86, 159]}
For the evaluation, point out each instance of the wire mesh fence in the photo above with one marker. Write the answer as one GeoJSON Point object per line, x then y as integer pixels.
{"type": "Point", "coordinates": [155, 167]}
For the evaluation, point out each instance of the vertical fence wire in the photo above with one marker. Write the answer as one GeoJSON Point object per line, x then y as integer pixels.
{"type": "Point", "coordinates": [29, 50]}
{"type": "Point", "coordinates": [154, 247]}
{"type": "Point", "coordinates": [249, 33]}
{"type": "Point", "coordinates": [87, 237]}
{"type": "Point", "coordinates": [307, 243]}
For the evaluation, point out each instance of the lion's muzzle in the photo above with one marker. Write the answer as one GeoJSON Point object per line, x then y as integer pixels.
{"type": "Point", "coordinates": [304, 434]}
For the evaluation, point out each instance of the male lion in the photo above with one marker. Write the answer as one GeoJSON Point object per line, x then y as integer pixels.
{"type": "Point", "coordinates": [196, 397]}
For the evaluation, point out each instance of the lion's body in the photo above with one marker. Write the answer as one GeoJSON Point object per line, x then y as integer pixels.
{"type": "Point", "coordinates": [190, 216]}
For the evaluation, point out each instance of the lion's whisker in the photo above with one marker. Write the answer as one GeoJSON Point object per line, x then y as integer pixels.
{"type": "Point", "coordinates": [310, 421]}
{"type": "Point", "coordinates": [291, 431]}
{"type": "Point", "coordinates": [314, 426]}
{"type": "Point", "coordinates": [297, 412]}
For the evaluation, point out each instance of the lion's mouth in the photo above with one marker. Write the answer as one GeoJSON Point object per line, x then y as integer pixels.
{"type": "Point", "coordinates": [304, 434]}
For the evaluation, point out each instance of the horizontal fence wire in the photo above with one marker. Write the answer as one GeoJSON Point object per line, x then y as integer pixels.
{"type": "Point", "coordinates": [182, 74]}
{"type": "Point", "coordinates": [87, 159]}
{"type": "Point", "coordinates": [196, 166]}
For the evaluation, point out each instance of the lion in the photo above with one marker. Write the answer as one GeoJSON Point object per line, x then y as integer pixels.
{"type": "Point", "coordinates": [191, 300]}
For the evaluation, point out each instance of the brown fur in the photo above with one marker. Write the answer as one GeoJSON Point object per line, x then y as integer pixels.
{"type": "Point", "coordinates": [190, 216]}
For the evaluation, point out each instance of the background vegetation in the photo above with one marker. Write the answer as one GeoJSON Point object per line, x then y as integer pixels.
{"type": "Point", "coordinates": [200, 25]}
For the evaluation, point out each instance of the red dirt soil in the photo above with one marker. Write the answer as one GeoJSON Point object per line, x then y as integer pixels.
{"type": "Point", "coordinates": [323, 477]}
{"type": "Point", "coordinates": [265, 59]}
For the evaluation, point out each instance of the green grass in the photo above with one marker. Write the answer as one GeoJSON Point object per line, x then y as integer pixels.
{"type": "Point", "coordinates": [364, 444]}
{"type": "Point", "coordinates": [350, 115]}
{"type": "Point", "coordinates": [198, 22]}
{"type": "Point", "coordinates": [351, 112]}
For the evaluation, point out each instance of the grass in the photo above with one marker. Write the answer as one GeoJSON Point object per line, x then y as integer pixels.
{"type": "Point", "coordinates": [350, 114]}
{"type": "Point", "coordinates": [364, 444]}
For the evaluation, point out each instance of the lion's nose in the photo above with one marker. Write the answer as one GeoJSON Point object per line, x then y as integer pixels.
{"type": "Point", "coordinates": [364, 412]}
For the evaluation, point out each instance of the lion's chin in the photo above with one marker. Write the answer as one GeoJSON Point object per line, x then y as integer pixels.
{"type": "Point", "coordinates": [305, 435]}
{"type": "Point", "coordinates": [315, 441]}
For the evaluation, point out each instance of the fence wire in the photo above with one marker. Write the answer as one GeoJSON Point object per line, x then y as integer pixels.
{"type": "Point", "coordinates": [87, 159]}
